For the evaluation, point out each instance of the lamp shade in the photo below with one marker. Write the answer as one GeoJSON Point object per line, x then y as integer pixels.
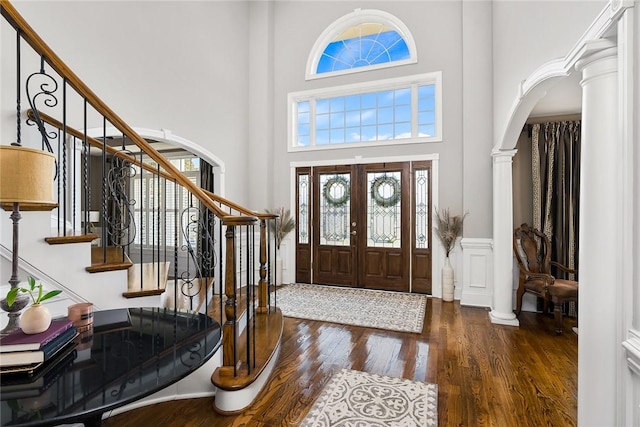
{"type": "Point", "coordinates": [26, 175]}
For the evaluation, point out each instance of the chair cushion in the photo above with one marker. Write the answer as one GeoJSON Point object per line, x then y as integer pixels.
{"type": "Point", "coordinates": [536, 285]}
{"type": "Point", "coordinates": [564, 288]}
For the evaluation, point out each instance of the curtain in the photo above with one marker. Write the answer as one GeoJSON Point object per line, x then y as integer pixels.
{"type": "Point", "coordinates": [556, 187]}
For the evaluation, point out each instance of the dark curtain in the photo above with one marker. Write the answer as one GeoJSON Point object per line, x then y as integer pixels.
{"type": "Point", "coordinates": [555, 169]}
{"type": "Point", "coordinates": [207, 248]}
{"type": "Point", "coordinates": [556, 187]}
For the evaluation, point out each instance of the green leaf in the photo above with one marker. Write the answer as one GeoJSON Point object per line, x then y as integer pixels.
{"type": "Point", "coordinates": [12, 295]}
{"type": "Point", "coordinates": [32, 282]}
{"type": "Point", "coordinates": [48, 295]}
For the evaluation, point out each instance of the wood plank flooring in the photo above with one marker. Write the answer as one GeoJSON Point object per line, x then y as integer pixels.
{"type": "Point", "coordinates": [487, 375]}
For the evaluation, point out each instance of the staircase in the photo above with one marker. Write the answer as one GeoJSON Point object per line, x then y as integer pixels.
{"type": "Point", "coordinates": [161, 239]}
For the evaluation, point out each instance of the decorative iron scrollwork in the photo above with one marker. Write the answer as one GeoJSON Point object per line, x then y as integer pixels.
{"type": "Point", "coordinates": [120, 220]}
{"type": "Point", "coordinates": [45, 86]}
{"type": "Point", "coordinates": [198, 241]}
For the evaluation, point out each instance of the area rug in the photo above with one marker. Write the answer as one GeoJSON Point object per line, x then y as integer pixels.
{"type": "Point", "coordinates": [354, 398]}
{"type": "Point", "coordinates": [393, 311]}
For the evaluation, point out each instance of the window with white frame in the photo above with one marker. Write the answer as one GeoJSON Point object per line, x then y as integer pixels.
{"type": "Point", "coordinates": [160, 203]}
{"type": "Point", "coordinates": [359, 41]}
{"type": "Point", "coordinates": [393, 111]}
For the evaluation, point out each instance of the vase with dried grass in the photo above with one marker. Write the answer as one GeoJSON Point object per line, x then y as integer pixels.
{"type": "Point", "coordinates": [282, 226]}
{"type": "Point", "coordinates": [449, 228]}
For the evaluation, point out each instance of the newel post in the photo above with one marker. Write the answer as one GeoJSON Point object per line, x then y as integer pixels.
{"type": "Point", "coordinates": [230, 328]}
{"type": "Point", "coordinates": [263, 286]}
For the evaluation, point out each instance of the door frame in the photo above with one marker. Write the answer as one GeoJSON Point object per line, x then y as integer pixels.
{"type": "Point", "coordinates": [437, 254]}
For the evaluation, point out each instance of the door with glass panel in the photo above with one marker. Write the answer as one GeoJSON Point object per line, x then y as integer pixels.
{"type": "Point", "coordinates": [365, 226]}
{"type": "Point", "coordinates": [335, 232]}
{"type": "Point", "coordinates": [383, 219]}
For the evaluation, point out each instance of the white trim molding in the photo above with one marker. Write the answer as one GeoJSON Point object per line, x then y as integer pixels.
{"type": "Point", "coordinates": [632, 347]}
{"type": "Point", "coordinates": [477, 272]}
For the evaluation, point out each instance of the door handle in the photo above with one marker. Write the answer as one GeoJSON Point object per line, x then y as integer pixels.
{"type": "Point", "coordinates": [353, 233]}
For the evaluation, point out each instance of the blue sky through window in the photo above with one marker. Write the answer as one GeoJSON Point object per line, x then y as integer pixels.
{"type": "Point", "coordinates": [363, 51]}
{"type": "Point", "coordinates": [372, 116]}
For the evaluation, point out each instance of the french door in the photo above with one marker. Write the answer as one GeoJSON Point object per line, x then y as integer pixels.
{"type": "Point", "coordinates": [365, 226]}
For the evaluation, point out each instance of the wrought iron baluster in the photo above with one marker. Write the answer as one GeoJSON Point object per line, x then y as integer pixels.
{"type": "Point", "coordinates": [47, 89]}
{"type": "Point", "coordinates": [121, 224]}
{"type": "Point", "coordinates": [18, 90]}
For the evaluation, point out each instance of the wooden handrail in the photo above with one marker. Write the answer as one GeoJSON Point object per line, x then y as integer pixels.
{"type": "Point", "coordinates": [31, 37]}
{"type": "Point", "coordinates": [133, 160]}
{"type": "Point", "coordinates": [239, 208]}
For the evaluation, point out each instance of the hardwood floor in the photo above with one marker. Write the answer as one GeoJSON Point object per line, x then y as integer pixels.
{"type": "Point", "coordinates": [487, 375]}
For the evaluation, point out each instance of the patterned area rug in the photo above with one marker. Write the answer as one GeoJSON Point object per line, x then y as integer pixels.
{"type": "Point", "coordinates": [394, 311]}
{"type": "Point", "coordinates": [353, 398]}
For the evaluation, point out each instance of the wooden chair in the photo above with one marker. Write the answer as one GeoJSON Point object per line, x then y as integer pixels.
{"type": "Point", "coordinates": [533, 252]}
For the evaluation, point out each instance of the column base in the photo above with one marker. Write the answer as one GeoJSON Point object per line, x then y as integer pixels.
{"type": "Point", "coordinates": [503, 318]}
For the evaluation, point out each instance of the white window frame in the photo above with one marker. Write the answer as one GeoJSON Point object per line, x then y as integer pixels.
{"type": "Point", "coordinates": [356, 17]}
{"type": "Point", "coordinates": [413, 81]}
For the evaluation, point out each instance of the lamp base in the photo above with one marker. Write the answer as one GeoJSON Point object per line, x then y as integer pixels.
{"type": "Point", "coordinates": [14, 313]}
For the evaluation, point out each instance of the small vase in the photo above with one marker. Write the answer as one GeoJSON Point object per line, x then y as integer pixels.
{"type": "Point", "coordinates": [35, 319]}
{"type": "Point", "coordinates": [447, 281]}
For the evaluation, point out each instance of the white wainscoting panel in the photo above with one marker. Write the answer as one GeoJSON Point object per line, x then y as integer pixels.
{"type": "Point", "coordinates": [477, 272]}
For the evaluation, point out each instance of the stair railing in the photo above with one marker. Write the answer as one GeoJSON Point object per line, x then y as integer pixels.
{"type": "Point", "coordinates": [239, 257]}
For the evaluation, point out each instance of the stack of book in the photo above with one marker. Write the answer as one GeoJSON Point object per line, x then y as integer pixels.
{"type": "Point", "coordinates": [20, 352]}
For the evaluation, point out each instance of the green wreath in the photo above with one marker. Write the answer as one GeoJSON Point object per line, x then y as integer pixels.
{"type": "Point", "coordinates": [332, 201]}
{"type": "Point", "coordinates": [380, 200]}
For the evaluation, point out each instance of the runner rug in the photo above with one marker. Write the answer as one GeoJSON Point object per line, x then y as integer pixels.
{"type": "Point", "coordinates": [394, 311]}
{"type": "Point", "coordinates": [354, 398]}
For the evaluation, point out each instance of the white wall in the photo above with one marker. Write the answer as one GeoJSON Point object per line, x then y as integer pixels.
{"type": "Point", "coordinates": [477, 123]}
{"type": "Point", "coordinates": [527, 34]}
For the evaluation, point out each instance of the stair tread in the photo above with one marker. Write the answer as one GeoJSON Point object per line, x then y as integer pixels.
{"type": "Point", "coordinates": [73, 238]}
{"type": "Point", "coordinates": [269, 328]}
{"type": "Point", "coordinates": [116, 259]}
{"type": "Point", "coordinates": [146, 279]}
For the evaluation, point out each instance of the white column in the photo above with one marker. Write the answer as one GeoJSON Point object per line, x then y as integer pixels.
{"type": "Point", "coordinates": [502, 307]}
{"type": "Point", "coordinates": [600, 214]}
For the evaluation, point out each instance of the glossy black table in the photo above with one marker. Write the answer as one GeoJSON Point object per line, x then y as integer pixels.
{"type": "Point", "coordinates": [117, 364]}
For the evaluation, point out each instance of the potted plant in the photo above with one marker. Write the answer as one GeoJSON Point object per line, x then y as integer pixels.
{"type": "Point", "coordinates": [280, 227]}
{"type": "Point", "coordinates": [36, 318]}
{"type": "Point", "coordinates": [449, 228]}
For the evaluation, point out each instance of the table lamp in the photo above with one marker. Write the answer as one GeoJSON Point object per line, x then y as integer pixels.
{"type": "Point", "coordinates": [26, 179]}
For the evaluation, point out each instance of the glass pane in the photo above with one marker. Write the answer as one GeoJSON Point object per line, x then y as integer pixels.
{"type": "Point", "coordinates": [337, 136]}
{"type": "Point", "coordinates": [383, 210]}
{"type": "Point", "coordinates": [403, 130]}
{"type": "Point", "coordinates": [362, 45]}
{"type": "Point", "coordinates": [422, 208]}
{"type": "Point", "coordinates": [303, 208]}
{"type": "Point", "coordinates": [335, 209]}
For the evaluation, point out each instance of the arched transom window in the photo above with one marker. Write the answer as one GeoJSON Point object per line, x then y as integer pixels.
{"type": "Point", "coordinates": [360, 41]}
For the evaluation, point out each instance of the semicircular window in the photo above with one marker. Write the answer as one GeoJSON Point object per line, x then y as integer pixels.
{"type": "Point", "coordinates": [361, 46]}
{"type": "Point", "coordinates": [360, 41]}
